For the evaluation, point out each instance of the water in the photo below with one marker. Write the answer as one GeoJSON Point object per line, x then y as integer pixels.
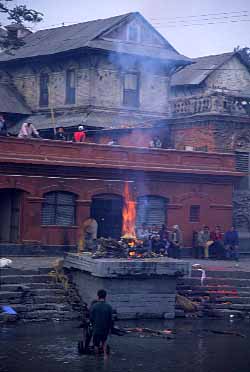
{"type": "Point", "coordinates": [51, 347]}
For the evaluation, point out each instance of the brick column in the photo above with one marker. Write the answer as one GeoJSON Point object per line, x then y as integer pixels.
{"type": "Point", "coordinates": [31, 214]}
{"type": "Point", "coordinates": [82, 213]}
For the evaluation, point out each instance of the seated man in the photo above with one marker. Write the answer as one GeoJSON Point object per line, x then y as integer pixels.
{"type": "Point", "coordinates": [101, 319]}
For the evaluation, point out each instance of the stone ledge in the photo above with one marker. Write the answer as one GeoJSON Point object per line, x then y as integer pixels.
{"type": "Point", "coordinates": [116, 268]}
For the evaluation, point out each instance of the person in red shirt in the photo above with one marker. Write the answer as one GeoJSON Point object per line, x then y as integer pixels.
{"type": "Point", "coordinates": [80, 135]}
{"type": "Point", "coordinates": [217, 249]}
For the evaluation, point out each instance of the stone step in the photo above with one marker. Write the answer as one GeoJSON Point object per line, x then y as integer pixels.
{"type": "Point", "coordinates": [50, 314]}
{"type": "Point", "coordinates": [13, 297]}
{"type": "Point", "coordinates": [218, 281]}
{"type": "Point", "coordinates": [224, 313]}
{"type": "Point", "coordinates": [18, 279]}
{"type": "Point", "coordinates": [14, 271]}
{"type": "Point", "coordinates": [14, 287]}
{"type": "Point", "coordinates": [20, 308]}
{"type": "Point", "coordinates": [223, 274]}
{"type": "Point", "coordinates": [234, 300]}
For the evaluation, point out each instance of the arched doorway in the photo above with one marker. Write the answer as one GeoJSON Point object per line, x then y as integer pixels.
{"type": "Point", "coordinates": [151, 210]}
{"type": "Point", "coordinates": [10, 201]}
{"type": "Point", "coordinates": [107, 210]}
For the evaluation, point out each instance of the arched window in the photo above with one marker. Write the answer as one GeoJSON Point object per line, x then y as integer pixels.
{"type": "Point", "coordinates": [151, 210]}
{"type": "Point", "coordinates": [59, 208]}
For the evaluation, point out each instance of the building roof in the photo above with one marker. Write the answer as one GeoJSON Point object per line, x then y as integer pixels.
{"type": "Point", "coordinates": [81, 35]}
{"type": "Point", "coordinates": [201, 68]}
{"type": "Point", "coordinates": [11, 101]}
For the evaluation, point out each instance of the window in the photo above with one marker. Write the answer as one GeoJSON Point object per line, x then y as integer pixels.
{"type": "Point", "coordinates": [70, 86]}
{"type": "Point", "coordinates": [59, 209]}
{"type": "Point", "coordinates": [151, 210]}
{"type": "Point", "coordinates": [133, 33]}
{"type": "Point", "coordinates": [44, 90]}
{"type": "Point", "coordinates": [131, 89]}
{"type": "Point", "coordinates": [194, 213]}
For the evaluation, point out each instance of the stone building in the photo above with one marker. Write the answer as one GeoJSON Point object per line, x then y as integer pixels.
{"type": "Point", "coordinates": [210, 104]}
{"type": "Point", "coordinates": [103, 74]}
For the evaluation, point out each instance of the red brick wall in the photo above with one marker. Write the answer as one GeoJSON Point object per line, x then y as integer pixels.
{"type": "Point", "coordinates": [198, 136]}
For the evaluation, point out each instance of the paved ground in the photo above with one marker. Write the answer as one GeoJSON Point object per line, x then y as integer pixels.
{"type": "Point", "coordinates": [30, 263]}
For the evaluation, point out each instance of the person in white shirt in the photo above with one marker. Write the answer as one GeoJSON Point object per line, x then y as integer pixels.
{"type": "Point", "coordinates": [28, 131]}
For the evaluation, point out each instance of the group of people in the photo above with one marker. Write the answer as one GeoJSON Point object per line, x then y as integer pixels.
{"type": "Point", "coordinates": [161, 241]}
{"type": "Point", "coordinates": [216, 244]}
{"type": "Point", "coordinates": [28, 130]}
{"type": "Point", "coordinates": [206, 243]}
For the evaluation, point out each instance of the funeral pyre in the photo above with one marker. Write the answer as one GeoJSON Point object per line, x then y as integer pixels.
{"type": "Point", "coordinates": [125, 248]}
{"type": "Point", "coordinates": [128, 246]}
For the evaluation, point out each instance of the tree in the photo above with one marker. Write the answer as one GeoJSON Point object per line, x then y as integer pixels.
{"type": "Point", "coordinates": [18, 15]}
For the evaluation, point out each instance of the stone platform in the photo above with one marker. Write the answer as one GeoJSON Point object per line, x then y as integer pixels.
{"type": "Point", "coordinates": [137, 288]}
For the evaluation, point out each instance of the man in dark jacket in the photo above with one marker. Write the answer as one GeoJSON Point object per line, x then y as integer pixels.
{"type": "Point", "coordinates": [231, 241]}
{"type": "Point", "coordinates": [101, 319]}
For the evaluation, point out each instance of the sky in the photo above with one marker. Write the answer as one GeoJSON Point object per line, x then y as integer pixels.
{"type": "Point", "coordinates": [194, 27]}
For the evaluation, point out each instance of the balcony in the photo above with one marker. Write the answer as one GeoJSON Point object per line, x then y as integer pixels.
{"type": "Point", "coordinates": [214, 103]}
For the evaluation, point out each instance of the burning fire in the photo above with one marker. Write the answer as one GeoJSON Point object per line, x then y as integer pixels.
{"type": "Point", "coordinates": [128, 214]}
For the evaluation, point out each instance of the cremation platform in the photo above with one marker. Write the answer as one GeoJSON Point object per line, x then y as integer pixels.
{"type": "Point", "coordinates": [137, 288]}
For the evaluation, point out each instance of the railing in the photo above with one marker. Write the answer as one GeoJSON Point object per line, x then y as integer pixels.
{"type": "Point", "coordinates": [214, 103]}
{"type": "Point", "coordinates": [36, 151]}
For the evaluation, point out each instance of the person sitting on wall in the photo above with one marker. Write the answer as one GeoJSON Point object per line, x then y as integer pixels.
{"type": "Point", "coordinates": [80, 135]}
{"type": "Point", "coordinates": [89, 235]}
{"type": "Point", "coordinates": [28, 131]}
{"type": "Point", "coordinates": [101, 319]}
{"type": "Point", "coordinates": [3, 126]}
{"type": "Point", "coordinates": [217, 249]}
{"type": "Point", "coordinates": [174, 249]}
{"type": "Point", "coordinates": [231, 242]}
{"type": "Point", "coordinates": [155, 143]}
{"type": "Point", "coordinates": [60, 134]}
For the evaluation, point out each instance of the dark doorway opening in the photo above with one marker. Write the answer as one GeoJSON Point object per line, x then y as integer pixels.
{"type": "Point", "coordinates": [10, 200]}
{"type": "Point", "coordinates": [107, 210]}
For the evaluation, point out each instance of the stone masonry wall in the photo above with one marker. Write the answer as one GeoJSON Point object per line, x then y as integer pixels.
{"type": "Point", "coordinates": [99, 83]}
{"type": "Point", "coordinates": [233, 75]}
{"type": "Point", "coordinates": [195, 136]}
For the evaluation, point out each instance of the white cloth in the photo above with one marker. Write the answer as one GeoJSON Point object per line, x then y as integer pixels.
{"type": "Point", "coordinates": [27, 131]}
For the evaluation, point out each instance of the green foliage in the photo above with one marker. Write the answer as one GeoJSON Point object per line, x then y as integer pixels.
{"type": "Point", "coordinates": [18, 15]}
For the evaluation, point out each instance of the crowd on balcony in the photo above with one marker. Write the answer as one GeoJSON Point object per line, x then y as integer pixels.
{"type": "Point", "coordinates": [206, 243]}
{"type": "Point", "coordinates": [29, 131]}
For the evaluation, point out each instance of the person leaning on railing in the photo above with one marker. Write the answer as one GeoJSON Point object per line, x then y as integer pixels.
{"type": "Point", "coordinates": [28, 131]}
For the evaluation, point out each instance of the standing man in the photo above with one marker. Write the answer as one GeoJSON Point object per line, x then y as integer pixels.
{"type": "Point", "coordinates": [203, 242]}
{"type": "Point", "coordinates": [231, 241]}
{"type": "Point", "coordinates": [101, 319]}
{"type": "Point", "coordinates": [174, 249]}
{"type": "Point", "coordinates": [89, 235]}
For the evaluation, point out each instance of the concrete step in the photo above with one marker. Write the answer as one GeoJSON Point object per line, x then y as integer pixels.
{"type": "Point", "coordinates": [218, 281]}
{"type": "Point", "coordinates": [224, 313]}
{"type": "Point", "coordinates": [14, 271]}
{"type": "Point", "coordinates": [14, 287]}
{"type": "Point", "coordinates": [50, 314]}
{"type": "Point", "coordinates": [18, 279]}
{"type": "Point", "coordinates": [234, 300]}
{"type": "Point", "coordinates": [20, 308]}
{"type": "Point", "coordinates": [237, 274]}
{"type": "Point", "coordinates": [13, 297]}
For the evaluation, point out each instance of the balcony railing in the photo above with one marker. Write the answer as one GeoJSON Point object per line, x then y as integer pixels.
{"type": "Point", "coordinates": [216, 103]}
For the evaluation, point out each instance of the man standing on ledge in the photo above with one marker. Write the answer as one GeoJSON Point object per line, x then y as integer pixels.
{"type": "Point", "coordinates": [101, 319]}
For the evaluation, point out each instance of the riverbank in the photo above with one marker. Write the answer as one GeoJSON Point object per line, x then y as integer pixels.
{"type": "Point", "coordinates": [52, 347]}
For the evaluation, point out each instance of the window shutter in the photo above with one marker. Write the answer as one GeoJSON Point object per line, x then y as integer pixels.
{"type": "Point", "coordinates": [242, 161]}
{"type": "Point", "coordinates": [151, 210]}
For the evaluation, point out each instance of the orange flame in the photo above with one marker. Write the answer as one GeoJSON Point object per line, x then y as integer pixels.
{"type": "Point", "coordinates": [128, 214]}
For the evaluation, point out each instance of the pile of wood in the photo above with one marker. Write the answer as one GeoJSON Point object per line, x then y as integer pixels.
{"type": "Point", "coordinates": [110, 248]}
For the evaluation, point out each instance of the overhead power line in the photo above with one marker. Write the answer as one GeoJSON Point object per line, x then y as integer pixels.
{"type": "Point", "coordinates": [201, 15]}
